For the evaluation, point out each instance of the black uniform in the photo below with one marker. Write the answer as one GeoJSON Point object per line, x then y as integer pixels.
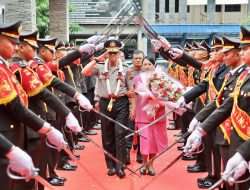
{"type": "Point", "coordinates": [11, 116]}
{"type": "Point", "coordinates": [223, 112]}
{"type": "Point", "coordinates": [5, 145]}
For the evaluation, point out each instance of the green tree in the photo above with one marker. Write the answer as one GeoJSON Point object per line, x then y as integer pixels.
{"type": "Point", "coordinates": [42, 18]}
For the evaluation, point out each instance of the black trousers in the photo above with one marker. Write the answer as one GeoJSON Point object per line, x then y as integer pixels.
{"type": "Point", "coordinates": [113, 135]}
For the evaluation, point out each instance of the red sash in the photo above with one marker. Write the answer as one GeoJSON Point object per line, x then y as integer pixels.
{"type": "Point", "coordinates": [226, 125]}
{"type": "Point", "coordinates": [183, 77]}
{"type": "Point", "coordinates": [10, 87]}
{"type": "Point", "coordinates": [212, 92]}
{"type": "Point", "coordinates": [44, 73]}
{"type": "Point", "coordinates": [29, 80]}
{"type": "Point", "coordinates": [240, 119]}
{"type": "Point", "coordinates": [203, 97]}
{"type": "Point", "coordinates": [191, 76]}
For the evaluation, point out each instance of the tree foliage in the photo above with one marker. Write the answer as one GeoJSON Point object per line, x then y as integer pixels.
{"type": "Point", "coordinates": [42, 18]}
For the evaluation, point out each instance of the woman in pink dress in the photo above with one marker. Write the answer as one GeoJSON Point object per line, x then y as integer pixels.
{"type": "Point", "coordinates": [156, 134]}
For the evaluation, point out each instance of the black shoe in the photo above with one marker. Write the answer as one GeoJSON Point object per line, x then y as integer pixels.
{"type": "Point", "coordinates": [199, 180]}
{"type": "Point", "coordinates": [79, 147]}
{"type": "Point", "coordinates": [111, 172]}
{"type": "Point", "coordinates": [96, 127]}
{"type": "Point", "coordinates": [143, 170]}
{"type": "Point", "coordinates": [139, 158]}
{"type": "Point", "coordinates": [120, 173]}
{"type": "Point", "coordinates": [172, 127]}
{"type": "Point", "coordinates": [181, 148]}
{"type": "Point", "coordinates": [179, 134]}
{"type": "Point", "coordinates": [66, 167]}
{"type": "Point", "coordinates": [191, 157]}
{"type": "Point", "coordinates": [207, 183]}
{"type": "Point", "coordinates": [83, 139]}
{"type": "Point", "coordinates": [78, 156]}
{"type": "Point", "coordinates": [90, 132]}
{"type": "Point", "coordinates": [196, 168]}
{"type": "Point", "coordinates": [151, 172]}
{"type": "Point", "coordinates": [62, 178]}
{"type": "Point", "coordinates": [55, 181]}
{"type": "Point", "coordinates": [128, 156]}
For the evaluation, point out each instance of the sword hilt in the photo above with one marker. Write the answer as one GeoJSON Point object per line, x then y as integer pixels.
{"type": "Point", "coordinates": [16, 177]}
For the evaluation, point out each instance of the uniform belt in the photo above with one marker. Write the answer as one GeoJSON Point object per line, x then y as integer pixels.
{"type": "Point", "coordinates": [118, 98]}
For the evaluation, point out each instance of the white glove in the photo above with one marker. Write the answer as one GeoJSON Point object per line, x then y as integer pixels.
{"type": "Point", "coordinates": [21, 162]}
{"type": "Point", "coordinates": [156, 44]}
{"type": "Point", "coordinates": [193, 142]}
{"type": "Point", "coordinates": [72, 123]}
{"type": "Point", "coordinates": [84, 102]}
{"type": "Point", "coordinates": [180, 103]}
{"type": "Point", "coordinates": [86, 48]}
{"type": "Point", "coordinates": [55, 137]}
{"type": "Point", "coordinates": [176, 53]}
{"type": "Point", "coordinates": [165, 43]}
{"type": "Point", "coordinates": [100, 46]}
{"type": "Point", "coordinates": [94, 39]}
{"type": "Point", "coordinates": [193, 124]}
{"type": "Point", "coordinates": [238, 162]}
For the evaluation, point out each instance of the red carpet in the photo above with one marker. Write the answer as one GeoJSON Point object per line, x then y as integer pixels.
{"type": "Point", "coordinates": [94, 176]}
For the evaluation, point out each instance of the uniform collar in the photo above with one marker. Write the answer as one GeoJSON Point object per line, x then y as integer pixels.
{"type": "Point", "coordinates": [235, 69]}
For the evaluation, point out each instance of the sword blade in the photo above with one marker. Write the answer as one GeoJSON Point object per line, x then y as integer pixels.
{"type": "Point", "coordinates": [116, 122]}
{"type": "Point", "coordinates": [83, 168]}
{"type": "Point", "coordinates": [162, 171]}
{"type": "Point", "coordinates": [44, 182]}
{"type": "Point", "coordinates": [109, 155]}
{"type": "Point", "coordinates": [165, 150]}
{"type": "Point", "coordinates": [152, 123]}
{"type": "Point", "coordinates": [216, 184]}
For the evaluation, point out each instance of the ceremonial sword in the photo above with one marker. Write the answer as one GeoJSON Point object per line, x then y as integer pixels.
{"type": "Point", "coordinates": [224, 179]}
{"type": "Point", "coordinates": [114, 121]}
{"type": "Point", "coordinates": [165, 150]}
{"type": "Point", "coordinates": [162, 171]}
{"type": "Point", "coordinates": [152, 123]}
{"type": "Point", "coordinates": [35, 176]}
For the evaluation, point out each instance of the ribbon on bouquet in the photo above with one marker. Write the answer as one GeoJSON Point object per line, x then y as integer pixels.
{"type": "Point", "coordinates": [154, 101]}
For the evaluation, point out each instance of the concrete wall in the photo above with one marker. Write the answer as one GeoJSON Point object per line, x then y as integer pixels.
{"type": "Point", "coordinates": [59, 19]}
{"type": "Point", "coordinates": [24, 10]}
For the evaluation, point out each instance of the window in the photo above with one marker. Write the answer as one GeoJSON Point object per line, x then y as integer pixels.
{"type": "Point", "coordinates": [233, 8]}
{"type": "Point", "coordinates": [218, 8]}
{"type": "Point", "coordinates": [157, 6]}
{"type": "Point", "coordinates": [176, 6]}
{"type": "Point", "coordinates": [205, 8]}
{"type": "Point", "coordinates": [166, 6]}
{"type": "Point", "coordinates": [188, 8]}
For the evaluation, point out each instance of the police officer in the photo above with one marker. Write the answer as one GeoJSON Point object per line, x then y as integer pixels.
{"type": "Point", "coordinates": [19, 161]}
{"type": "Point", "coordinates": [12, 103]}
{"type": "Point", "coordinates": [136, 69]}
{"type": "Point", "coordinates": [220, 117]}
{"type": "Point", "coordinates": [211, 85]}
{"type": "Point", "coordinates": [114, 81]}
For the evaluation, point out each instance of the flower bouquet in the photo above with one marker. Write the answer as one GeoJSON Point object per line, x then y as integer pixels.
{"type": "Point", "coordinates": [159, 90]}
